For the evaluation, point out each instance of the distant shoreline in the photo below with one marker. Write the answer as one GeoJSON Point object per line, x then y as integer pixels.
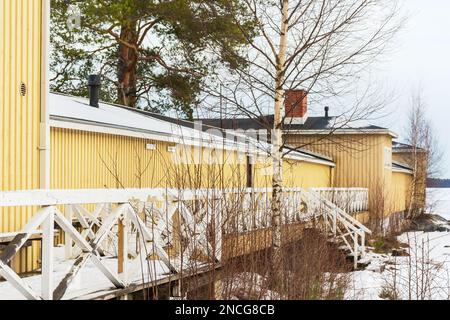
{"type": "Point", "coordinates": [438, 183]}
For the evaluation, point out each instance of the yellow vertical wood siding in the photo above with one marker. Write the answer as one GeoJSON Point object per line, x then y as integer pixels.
{"type": "Point", "coordinates": [306, 175]}
{"type": "Point", "coordinates": [419, 163]}
{"type": "Point", "coordinates": [359, 159]}
{"type": "Point", "coordinates": [81, 159]}
{"type": "Point", "coordinates": [401, 191]}
{"type": "Point", "coordinates": [20, 62]}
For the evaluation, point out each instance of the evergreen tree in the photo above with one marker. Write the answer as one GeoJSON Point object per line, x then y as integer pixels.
{"type": "Point", "coordinates": [151, 54]}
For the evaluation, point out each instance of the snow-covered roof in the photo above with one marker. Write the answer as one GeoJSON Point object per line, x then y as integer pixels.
{"type": "Point", "coordinates": [75, 113]}
{"type": "Point", "coordinates": [401, 167]}
{"type": "Point", "coordinates": [312, 125]}
{"type": "Point", "coordinates": [399, 147]}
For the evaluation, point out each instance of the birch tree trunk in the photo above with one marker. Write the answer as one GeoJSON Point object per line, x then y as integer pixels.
{"type": "Point", "coordinates": [277, 183]}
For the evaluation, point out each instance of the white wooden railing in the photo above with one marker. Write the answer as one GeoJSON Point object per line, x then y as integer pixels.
{"type": "Point", "coordinates": [342, 226]}
{"type": "Point", "coordinates": [351, 200]}
{"type": "Point", "coordinates": [132, 224]}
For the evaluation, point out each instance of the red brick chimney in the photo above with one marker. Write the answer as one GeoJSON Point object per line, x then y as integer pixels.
{"type": "Point", "coordinates": [296, 106]}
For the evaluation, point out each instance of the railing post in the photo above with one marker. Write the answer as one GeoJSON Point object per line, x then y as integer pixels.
{"type": "Point", "coordinates": [68, 247]}
{"type": "Point", "coordinates": [48, 238]}
{"type": "Point", "coordinates": [363, 244]}
{"type": "Point", "coordinates": [122, 258]}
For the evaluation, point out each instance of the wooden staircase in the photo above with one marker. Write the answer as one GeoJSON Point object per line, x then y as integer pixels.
{"type": "Point", "coordinates": [340, 227]}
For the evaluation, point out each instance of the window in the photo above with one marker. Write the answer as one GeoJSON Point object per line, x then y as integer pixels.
{"type": "Point", "coordinates": [387, 157]}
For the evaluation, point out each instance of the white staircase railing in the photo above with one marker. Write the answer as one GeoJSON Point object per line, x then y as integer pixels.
{"type": "Point", "coordinates": [340, 225]}
{"type": "Point", "coordinates": [351, 200]}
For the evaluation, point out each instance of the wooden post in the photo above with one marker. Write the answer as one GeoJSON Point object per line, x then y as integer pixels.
{"type": "Point", "coordinates": [363, 244]}
{"type": "Point", "coordinates": [68, 247]}
{"type": "Point", "coordinates": [218, 290]}
{"type": "Point", "coordinates": [48, 239]}
{"type": "Point", "coordinates": [123, 249]}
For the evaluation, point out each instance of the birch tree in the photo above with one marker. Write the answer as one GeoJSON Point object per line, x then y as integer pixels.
{"type": "Point", "coordinates": [321, 46]}
{"type": "Point", "coordinates": [423, 153]}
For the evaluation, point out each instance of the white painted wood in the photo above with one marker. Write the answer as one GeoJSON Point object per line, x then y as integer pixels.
{"type": "Point", "coordinates": [84, 224]}
{"type": "Point", "coordinates": [87, 216]}
{"type": "Point", "coordinates": [100, 196]}
{"type": "Point", "coordinates": [124, 275]}
{"type": "Point", "coordinates": [22, 237]}
{"type": "Point", "coordinates": [68, 246]}
{"type": "Point", "coordinates": [107, 225]}
{"type": "Point", "coordinates": [37, 220]}
{"type": "Point", "coordinates": [113, 277]}
{"type": "Point", "coordinates": [73, 233]}
{"type": "Point", "coordinates": [66, 282]}
{"type": "Point", "coordinates": [10, 276]}
{"type": "Point", "coordinates": [156, 235]}
{"type": "Point", "coordinates": [90, 251]}
{"type": "Point", "coordinates": [194, 232]}
{"type": "Point", "coordinates": [148, 236]}
{"type": "Point", "coordinates": [98, 210]}
{"type": "Point", "coordinates": [349, 199]}
{"type": "Point", "coordinates": [48, 238]}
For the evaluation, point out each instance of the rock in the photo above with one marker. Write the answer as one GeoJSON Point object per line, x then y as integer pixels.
{"type": "Point", "coordinates": [399, 253]}
{"type": "Point", "coordinates": [430, 223]}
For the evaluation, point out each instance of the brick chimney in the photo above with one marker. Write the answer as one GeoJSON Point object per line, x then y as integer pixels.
{"type": "Point", "coordinates": [296, 107]}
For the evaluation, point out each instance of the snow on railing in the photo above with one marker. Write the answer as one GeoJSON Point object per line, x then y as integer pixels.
{"type": "Point", "coordinates": [351, 200]}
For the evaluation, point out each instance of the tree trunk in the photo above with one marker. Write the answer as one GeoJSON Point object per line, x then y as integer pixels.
{"type": "Point", "coordinates": [127, 65]}
{"type": "Point", "coordinates": [277, 183]}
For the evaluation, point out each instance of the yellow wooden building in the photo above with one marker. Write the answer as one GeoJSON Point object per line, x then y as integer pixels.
{"type": "Point", "coordinates": [60, 142]}
{"type": "Point", "coordinates": [362, 152]}
{"type": "Point", "coordinates": [112, 146]}
{"type": "Point", "coordinates": [23, 116]}
{"type": "Point", "coordinates": [53, 141]}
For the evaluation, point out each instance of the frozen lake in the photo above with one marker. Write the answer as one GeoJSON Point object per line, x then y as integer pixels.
{"type": "Point", "coordinates": [439, 202]}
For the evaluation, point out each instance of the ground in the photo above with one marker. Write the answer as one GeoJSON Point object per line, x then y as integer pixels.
{"type": "Point", "coordinates": [424, 274]}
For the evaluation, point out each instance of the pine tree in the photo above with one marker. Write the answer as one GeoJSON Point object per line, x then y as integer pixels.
{"type": "Point", "coordinates": [151, 54]}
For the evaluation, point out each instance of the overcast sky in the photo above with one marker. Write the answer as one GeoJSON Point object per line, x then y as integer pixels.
{"type": "Point", "coordinates": [422, 60]}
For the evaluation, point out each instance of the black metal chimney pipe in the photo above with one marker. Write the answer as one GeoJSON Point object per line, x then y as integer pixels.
{"type": "Point", "coordinates": [94, 90]}
{"type": "Point", "coordinates": [327, 110]}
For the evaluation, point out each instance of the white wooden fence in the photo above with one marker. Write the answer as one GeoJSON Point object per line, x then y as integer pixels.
{"type": "Point", "coordinates": [132, 224]}
{"type": "Point", "coordinates": [351, 200]}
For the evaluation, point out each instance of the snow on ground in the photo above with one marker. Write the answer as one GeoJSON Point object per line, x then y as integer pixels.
{"type": "Point", "coordinates": [248, 285]}
{"type": "Point", "coordinates": [439, 202]}
{"type": "Point", "coordinates": [424, 274]}
{"type": "Point", "coordinates": [89, 282]}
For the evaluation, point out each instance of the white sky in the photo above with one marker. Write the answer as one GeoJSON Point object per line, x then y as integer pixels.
{"type": "Point", "coordinates": [422, 60]}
